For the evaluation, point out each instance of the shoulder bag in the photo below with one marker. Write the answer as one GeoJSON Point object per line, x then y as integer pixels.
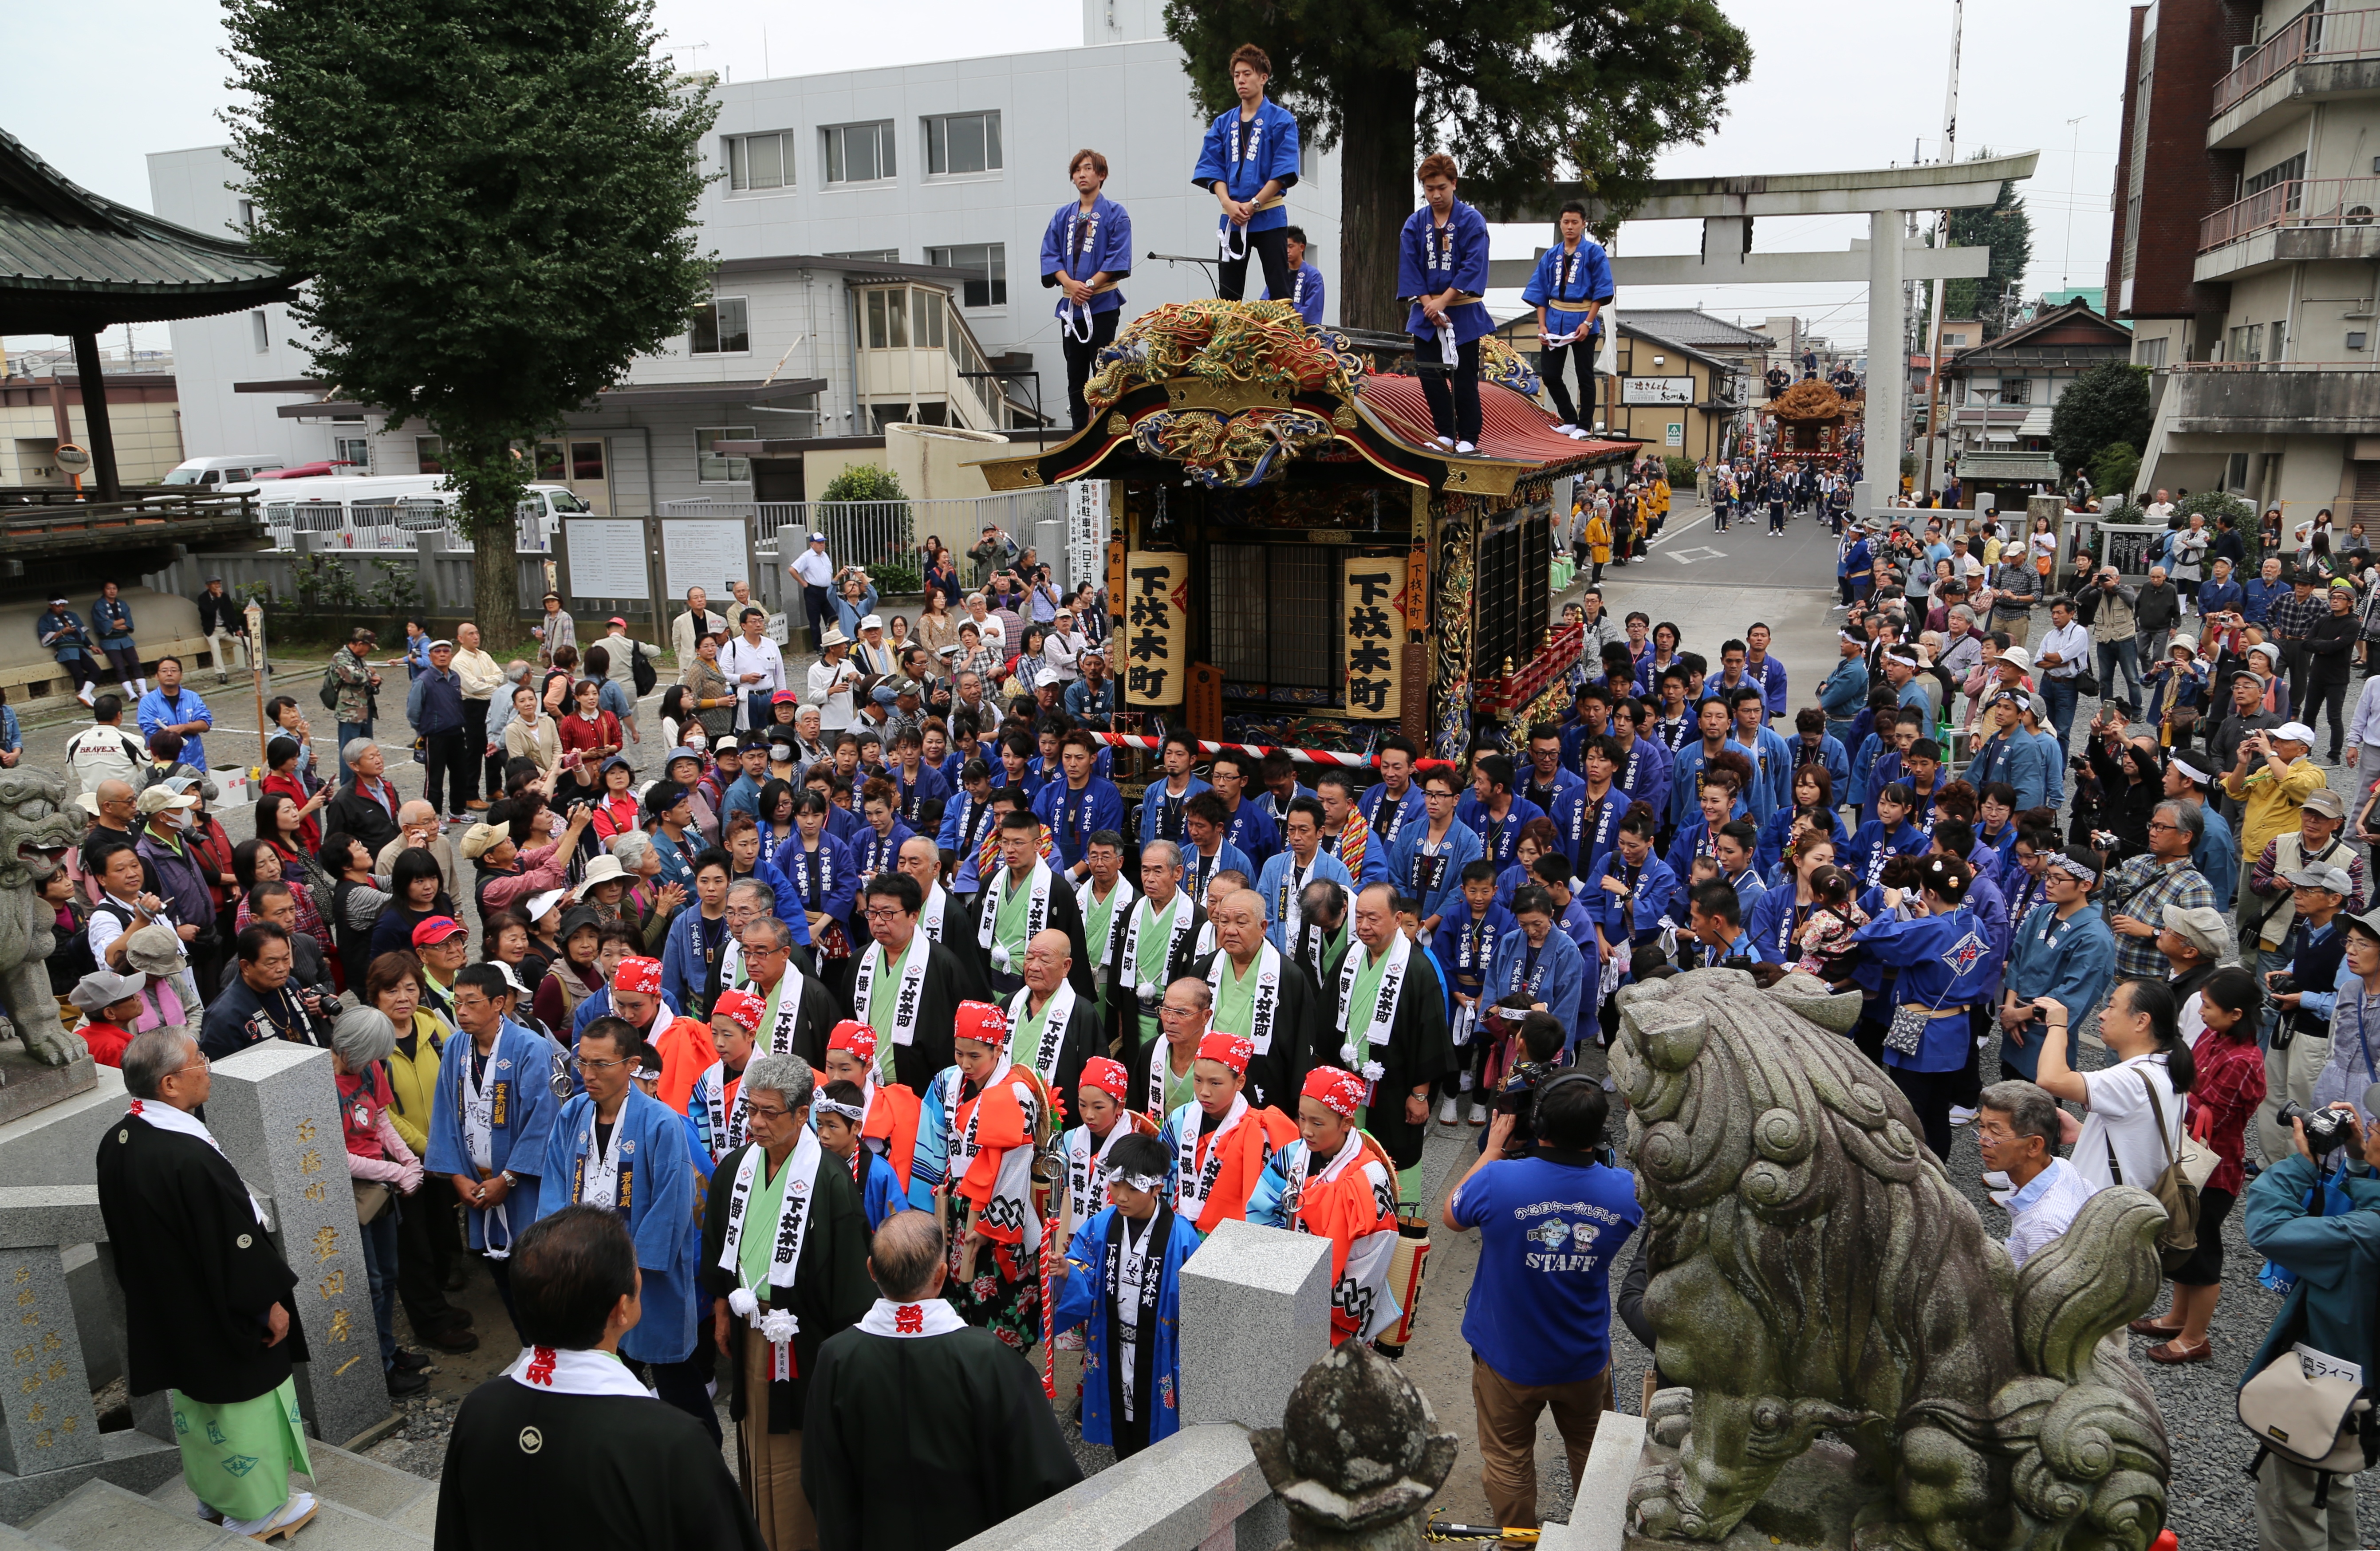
{"type": "Point", "coordinates": [2174, 1187]}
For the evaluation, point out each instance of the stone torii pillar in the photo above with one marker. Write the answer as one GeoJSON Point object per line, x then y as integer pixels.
{"type": "Point", "coordinates": [1887, 366]}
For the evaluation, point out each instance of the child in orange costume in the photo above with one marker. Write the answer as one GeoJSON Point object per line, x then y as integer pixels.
{"type": "Point", "coordinates": [1221, 1142]}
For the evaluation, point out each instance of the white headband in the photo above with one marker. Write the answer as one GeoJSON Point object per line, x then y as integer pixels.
{"type": "Point", "coordinates": [2073, 869]}
{"type": "Point", "coordinates": [1145, 1184]}
{"type": "Point", "coordinates": [851, 1112]}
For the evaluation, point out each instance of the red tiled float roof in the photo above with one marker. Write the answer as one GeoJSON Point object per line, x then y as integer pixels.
{"type": "Point", "coordinates": [1510, 426]}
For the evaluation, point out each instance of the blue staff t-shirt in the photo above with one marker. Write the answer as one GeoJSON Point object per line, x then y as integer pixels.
{"type": "Point", "coordinates": [1551, 1227]}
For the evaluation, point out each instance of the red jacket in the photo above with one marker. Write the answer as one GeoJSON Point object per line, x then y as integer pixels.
{"type": "Point", "coordinates": [309, 830]}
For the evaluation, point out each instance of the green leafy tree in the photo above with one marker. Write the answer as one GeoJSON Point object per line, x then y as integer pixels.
{"type": "Point", "coordinates": [2113, 471]}
{"type": "Point", "coordinates": [1522, 93]}
{"type": "Point", "coordinates": [494, 205]}
{"type": "Point", "coordinates": [2103, 406]}
{"type": "Point", "coordinates": [865, 482]}
{"type": "Point", "coordinates": [2005, 228]}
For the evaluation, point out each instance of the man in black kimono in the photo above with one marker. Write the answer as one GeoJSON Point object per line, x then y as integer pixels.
{"type": "Point", "coordinates": [1262, 994]}
{"type": "Point", "coordinates": [1388, 1025]}
{"type": "Point", "coordinates": [908, 987]}
{"type": "Point", "coordinates": [797, 1010]}
{"type": "Point", "coordinates": [1024, 895]}
{"type": "Point", "coordinates": [923, 1430]}
{"type": "Point", "coordinates": [1163, 937]}
{"type": "Point", "coordinates": [784, 1238]}
{"type": "Point", "coordinates": [206, 1296]}
{"type": "Point", "coordinates": [565, 1447]}
{"type": "Point", "coordinates": [1053, 1029]}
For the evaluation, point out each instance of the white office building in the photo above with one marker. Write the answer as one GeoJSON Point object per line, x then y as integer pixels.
{"type": "Point", "coordinates": [878, 235]}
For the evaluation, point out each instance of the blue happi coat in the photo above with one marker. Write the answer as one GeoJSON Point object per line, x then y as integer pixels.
{"type": "Point", "coordinates": [524, 1109]}
{"type": "Point", "coordinates": [1081, 246]}
{"type": "Point", "coordinates": [1083, 1301]}
{"type": "Point", "coordinates": [657, 1182]}
{"type": "Point", "coordinates": [1244, 158]}
{"type": "Point", "coordinates": [1431, 257]}
{"type": "Point", "coordinates": [1565, 281]}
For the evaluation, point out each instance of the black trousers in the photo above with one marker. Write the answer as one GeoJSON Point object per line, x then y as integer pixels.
{"type": "Point", "coordinates": [475, 743]}
{"type": "Point", "coordinates": [816, 603]}
{"type": "Point", "coordinates": [449, 765]}
{"type": "Point", "coordinates": [1271, 251]}
{"type": "Point", "coordinates": [1081, 356]}
{"type": "Point", "coordinates": [79, 666]}
{"type": "Point", "coordinates": [1453, 407]}
{"type": "Point", "coordinates": [2326, 690]}
{"type": "Point", "coordinates": [1131, 1433]}
{"type": "Point", "coordinates": [687, 1384]}
{"type": "Point", "coordinates": [1931, 1094]}
{"type": "Point", "coordinates": [426, 1248]}
{"type": "Point", "coordinates": [1579, 359]}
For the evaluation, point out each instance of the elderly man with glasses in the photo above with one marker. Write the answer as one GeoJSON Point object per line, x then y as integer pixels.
{"type": "Point", "coordinates": [2138, 893]}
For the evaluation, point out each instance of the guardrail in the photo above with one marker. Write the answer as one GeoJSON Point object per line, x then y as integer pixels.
{"type": "Point", "coordinates": [2314, 35]}
{"type": "Point", "coordinates": [2301, 202]}
{"type": "Point", "coordinates": [391, 526]}
{"type": "Point", "coordinates": [883, 532]}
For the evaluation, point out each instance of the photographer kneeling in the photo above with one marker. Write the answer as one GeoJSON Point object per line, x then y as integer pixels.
{"type": "Point", "coordinates": [2335, 1258]}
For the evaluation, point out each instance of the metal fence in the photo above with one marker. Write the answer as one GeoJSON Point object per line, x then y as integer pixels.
{"type": "Point", "coordinates": [885, 532]}
{"type": "Point", "coordinates": [2318, 201]}
{"type": "Point", "coordinates": [2314, 35]}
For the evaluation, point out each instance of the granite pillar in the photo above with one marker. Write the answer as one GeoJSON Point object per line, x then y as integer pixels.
{"type": "Point", "coordinates": [276, 1110]}
{"type": "Point", "coordinates": [1256, 1315]}
{"type": "Point", "coordinates": [46, 1422]}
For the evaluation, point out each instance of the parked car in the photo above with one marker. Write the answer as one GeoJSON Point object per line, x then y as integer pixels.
{"type": "Point", "coordinates": [214, 473]}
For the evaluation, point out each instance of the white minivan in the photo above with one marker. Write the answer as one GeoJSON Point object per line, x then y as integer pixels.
{"type": "Point", "coordinates": [214, 473]}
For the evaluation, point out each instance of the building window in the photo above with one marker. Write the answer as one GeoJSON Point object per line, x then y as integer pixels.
{"type": "Point", "coordinates": [248, 215]}
{"type": "Point", "coordinates": [1306, 158]}
{"type": "Point", "coordinates": [2149, 352]}
{"type": "Point", "coordinates": [929, 309]}
{"type": "Point", "coordinates": [2016, 390]}
{"type": "Point", "coordinates": [429, 453]}
{"type": "Point", "coordinates": [355, 450]}
{"type": "Point", "coordinates": [720, 328]}
{"type": "Point", "coordinates": [887, 320]}
{"type": "Point", "coordinates": [717, 469]}
{"type": "Point", "coordinates": [756, 162]}
{"type": "Point", "coordinates": [2291, 171]}
{"type": "Point", "coordinates": [2278, 348]}
{"type": "Point", "coordinates": [1282, 630]}
{"type": "Point", "coordinates": [961, 143]}
{"type": "Point", "coordinates": [2246, 343]}
{"type": "Point", "coordinates": [259, 332]}
{"type": "Point", "coordinates": [871, 255]}
{"type": "Point", "coordinates": [1954, 340]}
{"type": "Point", "coordinates": [859, 153]}
{"type": "Point", "coordinates": [986, 266]}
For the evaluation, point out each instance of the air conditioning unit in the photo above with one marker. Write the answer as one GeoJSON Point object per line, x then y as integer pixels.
{"type": "Point", "coordinates": [2240, 52]}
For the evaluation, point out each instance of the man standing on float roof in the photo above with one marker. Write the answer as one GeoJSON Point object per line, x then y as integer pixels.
{"type": "Point", "coordinates": [1443, 268]}
{"type": "Point", "coordinates": [1570, 290]}
{"type": "Point", "coordinates": [1087, 250]}
{"type": "Point", "coordinates": [1249, 162]}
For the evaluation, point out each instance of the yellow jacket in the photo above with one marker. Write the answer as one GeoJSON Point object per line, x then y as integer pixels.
{"type": "Point", "coordinates": [1661, 498]}
{"type": "Point", "coordinates": [415, 1082]}
{"type": "Point", "coordinates": [2269, 805]}
{"type": "Point", "coordinates": [1598, 539]}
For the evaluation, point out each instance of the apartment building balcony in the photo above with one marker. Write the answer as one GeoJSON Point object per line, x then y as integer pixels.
{"type": "Point", "coordinates": [2270, 398]}
{"type": "Point", "coordinates": [916, 348]}
{"type": "Point", "coordinates": [2300, 220]}
{"type": "Point", "coordinates": [2318, 57]}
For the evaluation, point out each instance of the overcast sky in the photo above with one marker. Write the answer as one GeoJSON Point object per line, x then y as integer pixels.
{"type": "Point", "coordinates": [96, 88]}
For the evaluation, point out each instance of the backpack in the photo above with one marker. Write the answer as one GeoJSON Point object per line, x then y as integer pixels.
{"type": "Point", "coordinates": [2174, 1187]}
{"type": "Point", "coordinates": [72, 959]}
{"type": "Point", "coordinates": [640, 672]}
{"type": "Point", "coordinates": [331, 689]}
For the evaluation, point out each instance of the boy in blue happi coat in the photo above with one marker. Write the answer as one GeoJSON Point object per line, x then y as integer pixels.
{"type": "Point", "coordinates": [1248, 161]}
{"type": "Point", "coordinates": [1086, 250]}
{"type": "Point", "coordinates": [1121, 1281]}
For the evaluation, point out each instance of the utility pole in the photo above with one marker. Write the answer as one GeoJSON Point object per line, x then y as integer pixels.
{"type": "Point", "coordinates": [2074, 150]}
{"type": "Point", "coordinates": [1942, 239]}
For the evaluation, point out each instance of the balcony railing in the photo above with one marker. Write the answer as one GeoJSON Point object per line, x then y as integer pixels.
{"type": "Point", "coordinates": [2318, 201]}
{"type": "Point", "coordinates": [2315, 35]}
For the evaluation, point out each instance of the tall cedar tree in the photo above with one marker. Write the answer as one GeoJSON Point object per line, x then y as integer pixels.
{"type": "Point", "coordinates": [494, 207]}
{"type": "Point", "coordinates": [2005, 228]}
{"type": "Point", "coordinates": [1521, 93]}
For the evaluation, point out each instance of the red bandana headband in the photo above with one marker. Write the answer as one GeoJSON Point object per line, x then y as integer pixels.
{"type": "Point", "coordinates": [1235, 1050]}
{"type": "Point", "coordinates": [1340, 1092]}
{"type": "Point", "coordinates": [855, 1036]}
{"type": "Point", "coordinates": [642, 976]}
{"type": "Point", "coordinates": [983, 1023]}
{"type": "Point", "coordinates": [1107, 1076]}
{"type": "Point", "coordinates": [741, 1008]}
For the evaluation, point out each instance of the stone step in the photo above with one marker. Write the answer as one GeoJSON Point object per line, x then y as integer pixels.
{"type": "Point", "coordinates": [98, 1516]}
{"type": "Point", "coordinates": [13, 1539]}
{"type": "Point", "coordinates": [361, 1486]}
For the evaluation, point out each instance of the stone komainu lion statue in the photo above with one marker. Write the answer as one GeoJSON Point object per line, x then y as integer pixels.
{"type": "Point", "coordinates": [34, 835]}
{"type": "Point", "coordinates": [1812, 1269]}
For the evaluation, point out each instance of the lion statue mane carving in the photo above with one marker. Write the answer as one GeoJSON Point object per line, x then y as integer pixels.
{"type": "Point", "coordinates": [35, 830]}
{"type": "Point", "coordinates": [1813, 1270]}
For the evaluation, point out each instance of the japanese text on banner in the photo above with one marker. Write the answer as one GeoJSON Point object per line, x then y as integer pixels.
{"type": "Point", "coordinates": [1372, 599]}
{"type": "Point", "coordinates": [1155, 635]}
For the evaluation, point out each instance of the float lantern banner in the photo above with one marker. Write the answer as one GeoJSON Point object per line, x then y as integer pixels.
{"type": "Point", "coordinates": [1155, 635]}
{"type": "Point", "coordinates": [1372, 597]}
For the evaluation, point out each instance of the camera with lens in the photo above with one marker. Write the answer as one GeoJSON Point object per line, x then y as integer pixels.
{"type": "Point", "coordinates": [2324, 1128]}
{"type": "Point", "coordinates": [2283, 984]}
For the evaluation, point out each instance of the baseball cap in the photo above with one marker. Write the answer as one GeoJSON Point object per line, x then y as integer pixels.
{"type": "Point", "coordinates": [872, 622]}
{"type": "Point", "coordinates": [2295, 732]}
{"type": "Point", "coordinates": [818, 537]}
{"type": "Point", "coordinates": [2204, 927]}
{"type": "Point", "coordinates": [2321, 875]}
{"type": "Point", "coordinates": [616, 619]}
{"type": "Point", "coordinates": [883, 695]}
{"type": "Point", "coordinates": [436, 930]}
{"type": "Point", "coordinates": [2325, 802]}
{"type": "Point", "coordinates": [441, 643]}
{"type": "Point", "coordinates": [479, 838]}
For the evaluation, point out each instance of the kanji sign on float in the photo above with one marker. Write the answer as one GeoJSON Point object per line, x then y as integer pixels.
{"type": "Point", "coordinates": [1372, 598]}
{"type": "Point", "coordinates": [1156, 633]}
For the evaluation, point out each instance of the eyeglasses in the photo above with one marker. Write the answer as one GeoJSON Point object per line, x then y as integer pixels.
{"type": "Point", "coordinates": [885, 911]}
{"type": "Point", "coordinates": [766, 1111]}
{"type": "Point", "coordinates": [2170, 828]}
{"type": "Point", "coordinates": [580, 1064]}
{"type": "Point", "coordinates": [1167, 1010]}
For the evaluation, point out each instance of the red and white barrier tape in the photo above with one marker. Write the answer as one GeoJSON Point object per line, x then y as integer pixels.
{"type": "Point", "coordinates": [1310, 756]}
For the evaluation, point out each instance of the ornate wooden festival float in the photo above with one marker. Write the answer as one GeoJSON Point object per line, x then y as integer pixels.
{"type": "Point", "coordinates": [1813, 422]}
{"type": "Point", "coordinates": [1294, 562]}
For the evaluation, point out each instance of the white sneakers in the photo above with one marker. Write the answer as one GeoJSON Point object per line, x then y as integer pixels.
{"type": "Point", "coordinates": [1464, 447]}
{"type": "Point", "coordinates": [1446, 1112]}
{"type": "Point", "coordinates": [1961, 1115]}
{"type": "Point", "coordinates": [281, 1524]}
{"type": "Point", "coordinates": [1445, 442]}
{"type": "Point", "coordinates": [1568, 428]}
